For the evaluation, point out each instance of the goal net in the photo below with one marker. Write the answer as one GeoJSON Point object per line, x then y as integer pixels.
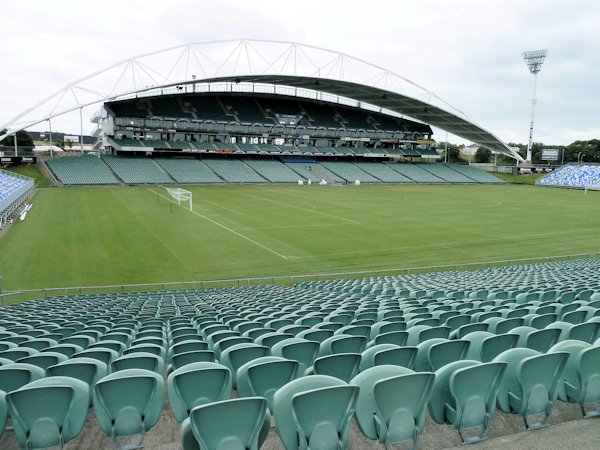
{"type": "Point", "coordinates": [592, 187]}
{"type": "Point", "coordinates": [179, 196]}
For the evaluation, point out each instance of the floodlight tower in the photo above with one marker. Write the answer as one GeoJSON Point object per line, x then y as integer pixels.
{"type": "Point", "coordinates": [534, 60]}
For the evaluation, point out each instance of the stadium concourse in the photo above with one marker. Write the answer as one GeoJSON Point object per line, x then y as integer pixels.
{"type": "Point", "coordinates": [431, 359]}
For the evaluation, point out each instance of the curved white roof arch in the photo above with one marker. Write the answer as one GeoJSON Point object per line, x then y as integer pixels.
{"type": "Point", "coordinates": [259, 61]}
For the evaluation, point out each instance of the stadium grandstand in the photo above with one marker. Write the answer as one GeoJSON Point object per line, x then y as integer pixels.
{"type": "Point", "coordinates": [362, 357]}
{"type": "Point", "coordinates": [14, 191]}
{"type": "Point", "coordinates": [573, 175]}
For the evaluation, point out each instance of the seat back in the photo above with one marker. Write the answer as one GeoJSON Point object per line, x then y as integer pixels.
{"type": "Point", "coordinates": [342, 365]}
{"type": "Point", "coordinates": [141, 360]}
{"type": "Point", "coordinates": [300, 350]}
{"type": "Point", "coordinates": [539, 377]}
{"type": "Point", "coordinates": [400, 356]}
{"type": "Point", "coordinates": [17, 375]}
{"type": "Point", "coordinates": [229, 424]}
{"type": "Point", "coordinates": [128, 402]}
{"type": "Point", "coordinates": [282, 406]}
{"type": "Point", "coordinates": [443, 353]}
{"type": "Point", "coordinates": [586, 332]}
{"type": "Point", "coordinates": [197, 384]}
{"type": "Point", "coordinates": [474, 392]}
{"type": "Point", "coordinates": [589, 379]}
{"type": "Point", "coordinates": [87, 370]}
{"type": "Point", "coordinates": [401, 403]}
{"type": "Point", "coordinates": [323, 416]}
{"type": "Point", "coordinates": [542, 340]}
{"type": "Point", "coordinates": [237, 355]}
{"type": "Point", "coordinates": [391, 403]}
{"type": "Point", "coordinates": [181, 359]}
{"type": "Point", "coordinates": [3, 412]}
{"type": "Point", "coordinates": [262, 377]}
{"type": "Point", "coordinates": [48, 412]}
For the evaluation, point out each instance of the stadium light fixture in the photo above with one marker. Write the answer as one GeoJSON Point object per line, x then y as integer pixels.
{"type": "Point", "coordinates": [534, 60]}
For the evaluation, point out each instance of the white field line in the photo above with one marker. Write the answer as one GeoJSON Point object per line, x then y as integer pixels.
{"type": "Point", "coordinates": [232, 231]}
{"type": "Point", "coordinates": [223, 207]}
{"type": "Point", "coordinates": [285, 227]}
{"type": "Point", "coordinates": [454, 243]}
{"type": "Point", "coordinates": [314, 211]}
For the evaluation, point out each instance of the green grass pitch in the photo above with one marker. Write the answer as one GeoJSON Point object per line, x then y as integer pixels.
{"type": "Point", "coordinates": [121, 235]}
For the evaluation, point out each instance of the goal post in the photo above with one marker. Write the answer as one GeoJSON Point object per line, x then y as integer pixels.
{"type": "Point", "coordinates": [180, 196]}
{"type": "Point", "coordinates": [591, 187]}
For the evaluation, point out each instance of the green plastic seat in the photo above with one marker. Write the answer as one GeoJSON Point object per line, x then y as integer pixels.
{"type": "Point", "coordinates": [87, 370]}
{"type": "Point", "coordinates": [146, 348]}
{"type": "Point", "coordinates": [128, 403]}
{"type": "Point", "coordinates": [342, 344]}
{"type": "Point", "coordinates": [17, 375]}
{"type": "Point", "coordinates": [421, 333]}
{"type": "Point", "coordinates": [485, 346]}
{"type": "Point", "coordinates": [7, 345]}
{"type": "Point", "coordinates": [586, 332]}
{"type": "Point", "coordinates": [5, 362]}
{"type": "Point", "coordinates": [355, 330]}
{"type": "Point", "coordinates": [436, 353]}
{"type": "Point", "coordinates": [263, 376]}
{"type": "Point", "coordinates": [17, 353]}
{"type": "Point", "coordinates": [464, 395]}
{"type": "Point", "coordinates": [272, 338]}
{"type": "Point", "coordinates": [385, 327]}
{"type": "Point", "coordinates": [457, 321]}
{"type": "Point", "coordinates": [400, 356]}
{"type": "Point", "coordinates": [391, 403]}
{"type": "Point", "coordinates": [38, 344]}
{"type": "Point", "coordinates": [117, 346]}
{"type": "Point", "coordinates": [463, 330]}
{"type": "Point", "coordinates": [570, 388]}
{"type": "Point", "coordinates": [300, 350]}
{"type": "Point", "coordinates": [323, 416]}
{"type": "Point", "coordinates": [584, 387]}
{"type": "Point", "coordinates": [82, 341]}
{"type": "Point", "coordinates": [237, 355]}
{"type": "Point", "coordinates": [106, 355]}
{"type": "Point", "coordinates": [197, 384]}
{"type": "Point", "coordinates": [315, 335]}
{"type": "Point", "coordinates": [329, 416]}
{"type": "Point", "coordinates": [184, 358]}
{"type": "Point", "coordinates": [240, 423]}
{"type": "Point", "coordinates": [3, 412]}
{"type": "Point", "coordinates": [529, 386]}
{"type": "Point", "coordinates": [139, 360]}
{"type": "Point", "coordinates": [218, 336]}
{"type": "Point", "coordinates": [229, 342]}
{"type": "Point", "coordinates": [48, 412]}
{"type": "Point", "coordinates": [340, 365]}
{"type": "Point", "coordinates": [43, 360]}
{"type": "Point", "coordinates": [368, 356]}
{"type": "Point", "coordinates": [563, 327]}
{"type": "Point", "coordinates": [66, 349]}
{"type": "Point", "coordinates": [539, 321]}
{"type": "Point", "coordinates": [186, 346]}
{"type": "Point", "coordinates": [390, 337]}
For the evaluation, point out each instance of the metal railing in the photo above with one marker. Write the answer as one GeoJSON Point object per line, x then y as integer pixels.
{"type": "Point", "coordinates": [13, 297]}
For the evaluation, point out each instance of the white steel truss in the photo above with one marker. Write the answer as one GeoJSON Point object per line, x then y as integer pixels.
{"type": "Point", "coordinates": [277, 63]}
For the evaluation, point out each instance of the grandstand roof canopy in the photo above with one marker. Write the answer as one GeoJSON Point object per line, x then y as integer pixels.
{"type": "Point", "coordinates": [234, 62]}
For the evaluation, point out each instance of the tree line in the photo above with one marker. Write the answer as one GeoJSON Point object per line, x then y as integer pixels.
{"type": "Point", "coordinates": [586, 151]}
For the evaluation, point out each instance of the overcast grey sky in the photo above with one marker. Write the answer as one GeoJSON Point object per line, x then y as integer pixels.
{"type": "Point", "coordinates": [466, 51]}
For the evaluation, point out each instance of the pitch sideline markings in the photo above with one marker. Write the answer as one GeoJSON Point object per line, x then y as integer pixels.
{"type": "Point", "coordinates": [232, 231]}
{"type": "Point", "coordinates": [223, 207]}
{"type": "Point", "coordinates": [353, 222]}
{"type": "Point", "coordinates": [450, 244]}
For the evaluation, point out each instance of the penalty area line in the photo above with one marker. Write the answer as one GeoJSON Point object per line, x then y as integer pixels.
{"type": "Point", "coordinates": [230, 230]}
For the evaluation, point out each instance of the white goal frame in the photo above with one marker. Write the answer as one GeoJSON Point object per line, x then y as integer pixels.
{"type": "Point", "coordinates": [591, 187]}
{"type": "Point", "coordinates": [180, 196]}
